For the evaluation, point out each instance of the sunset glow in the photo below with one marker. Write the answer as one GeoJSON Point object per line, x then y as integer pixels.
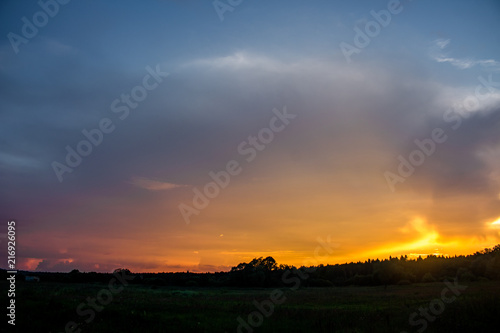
{"type": "Point", "coordinates": [160, 138]}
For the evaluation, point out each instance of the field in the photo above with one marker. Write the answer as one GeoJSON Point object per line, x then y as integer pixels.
{"type": "Point", "coordinates": [47, 307]}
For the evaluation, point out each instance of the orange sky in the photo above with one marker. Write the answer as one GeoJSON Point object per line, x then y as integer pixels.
{"type": "Point", "coordinates": [275, 213]}
{"type": "Point", "coordinates": [391, 150]}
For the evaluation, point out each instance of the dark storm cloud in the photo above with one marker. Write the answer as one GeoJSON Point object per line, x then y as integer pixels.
{"type": "Point", "coordinates": [194, 120]}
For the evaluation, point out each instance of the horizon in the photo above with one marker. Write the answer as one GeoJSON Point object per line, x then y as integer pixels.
{"type": "Point", "coordinates": [182, 136]}
{"type": "Point", "coordinates": [413, 257]}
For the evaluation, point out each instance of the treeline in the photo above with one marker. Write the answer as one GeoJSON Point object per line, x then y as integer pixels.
{"type": "Point", "coordinates": [265, 272]}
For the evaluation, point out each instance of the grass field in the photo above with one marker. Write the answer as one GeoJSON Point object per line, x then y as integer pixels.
{"type": "Point", "coordinates": [47, 307]}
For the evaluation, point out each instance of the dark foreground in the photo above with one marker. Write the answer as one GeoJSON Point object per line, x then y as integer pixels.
{"type": "Point", "coordinates": [48, 307]}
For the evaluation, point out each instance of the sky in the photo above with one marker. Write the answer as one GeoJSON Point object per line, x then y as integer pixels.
{"type": "Point", "coordinates": [192, 135]}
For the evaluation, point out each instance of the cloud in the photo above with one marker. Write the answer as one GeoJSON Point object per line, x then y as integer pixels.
{"type": "Point", "coordinates": [16, 161]}
{"type": "Point", "coordinates": [58, 265]}
{"type": "Point", "coordinates": [468, 63]}
{"type": "Point", "coordinates": [154, 185]}
{"type": "Point", "coordinates": [325, 168]}
{"type": "Point", "coordinates": [67, 265]}
{"type": "Point", "coordinates": [57, 48]}
{"type": "Point", "coordinates": [461, 63]}
{"type": "Point", "coordinates": [240, 60]}
{"type": "Point", "coordinates": [442, 43]}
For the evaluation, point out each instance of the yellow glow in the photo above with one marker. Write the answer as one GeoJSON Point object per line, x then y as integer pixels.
{"type": "Point", "coordinates": [428, 238]}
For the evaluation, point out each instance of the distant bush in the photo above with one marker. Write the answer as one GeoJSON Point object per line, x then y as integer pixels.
{"type": "Point", "coordinates": [363, 280]}
{"type": "Point", "coordinates": [154, 281]}
{"type": "Point", "coordinates": [428, 278]}
{"type": "Point", "coordinates": [465, 275]}
{"type": "Point", "coordinates": [191, 283]}
{"type": "Point", "coordinates": [319, 283]}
